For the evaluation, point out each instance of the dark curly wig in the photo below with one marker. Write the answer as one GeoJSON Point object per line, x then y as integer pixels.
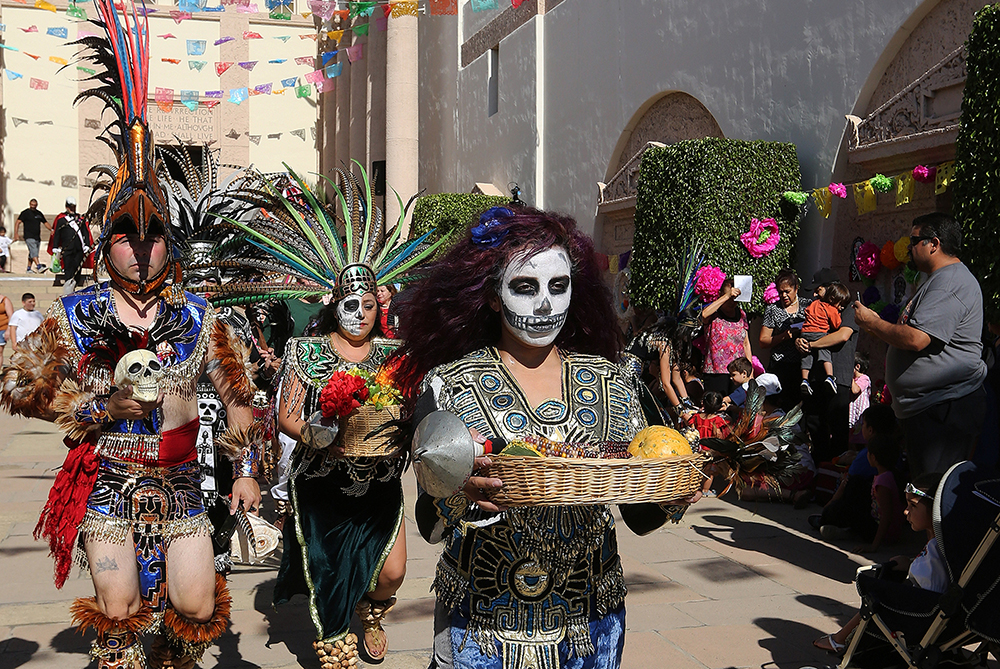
{"type": "Point", "coordinates": [447, 314]}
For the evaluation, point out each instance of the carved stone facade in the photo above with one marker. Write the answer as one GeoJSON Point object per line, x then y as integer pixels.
{"type": "Point", "coordinates": [672, 118]}
{"type": "Point", "coordinates": [910, 119]}
{"type": "Point", "coordinates": [922, 115]}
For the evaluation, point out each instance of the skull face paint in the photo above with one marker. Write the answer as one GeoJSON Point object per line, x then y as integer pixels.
{"type": "Point", "coordinates": [356, 315]}
{"type": "Point", "coordinates": [535, 294]}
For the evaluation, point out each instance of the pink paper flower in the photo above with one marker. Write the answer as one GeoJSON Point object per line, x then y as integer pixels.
{"type": "Point", "coordinates": [771, 294]}
{"type": "Point", "coordinates": [924, 175]}
{"type": "Point", "coordinates": [708, 282]}
{"type": "Point", "coordinates": [868, 262]}
{"type": "Point", "coordinates": [840, 190]}
{"type": "Point", "coordinates": [762, 237]}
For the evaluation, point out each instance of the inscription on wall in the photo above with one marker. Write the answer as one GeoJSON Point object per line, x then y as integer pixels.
{"type": "Point", "coordinates": [200, 126]}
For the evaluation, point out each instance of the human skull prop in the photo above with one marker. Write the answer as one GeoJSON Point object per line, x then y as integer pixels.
{"type": "Point", "coordinates": [143, 370]}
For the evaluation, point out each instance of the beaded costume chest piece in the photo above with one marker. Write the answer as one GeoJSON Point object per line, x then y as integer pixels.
{"type": "Point", "coordinates": [533, 577]}
{"type": "Point", "coordinates": [96, 339]}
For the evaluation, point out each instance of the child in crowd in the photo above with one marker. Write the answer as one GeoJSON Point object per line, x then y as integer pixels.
{"type": "Point", "coordinates": [861, 397]}
{"type": "Point", "coordinates": [5, 243]}
{"type": "Point", "coordinates": [851, 502]}
{"type": "Point", "coordinates": [822, 318]}
{"type": "Point", "coordinates": [926, 571]}
{"type": "Point", "coordinates": [740, 372]}
{"type": "Point", "coordinates": [882, 525]}
{"type": "Point", "coordinates": [711, 422]}
{"type": "Point", "coordinates": [692, 382]}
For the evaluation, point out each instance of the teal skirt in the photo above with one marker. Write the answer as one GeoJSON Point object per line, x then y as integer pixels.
{"type": "Point", "coordinates": [336, 546]}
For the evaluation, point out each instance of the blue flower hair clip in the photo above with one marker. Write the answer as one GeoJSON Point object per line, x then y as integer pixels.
{"type": "Point", "coordinates": [486, 233]}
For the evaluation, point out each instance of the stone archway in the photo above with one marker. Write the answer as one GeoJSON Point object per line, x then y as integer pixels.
{"type": "Point", "coordinates": [664, 119]}
{"type": "Point", "coordinates": [911, 118]}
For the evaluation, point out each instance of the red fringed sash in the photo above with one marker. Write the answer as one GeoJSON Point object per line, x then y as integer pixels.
{"type": "Point", "coordinates": [67, 504]}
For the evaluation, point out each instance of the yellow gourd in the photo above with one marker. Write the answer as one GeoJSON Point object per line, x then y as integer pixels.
{"type": "Point", "coordinates": [659, 441]}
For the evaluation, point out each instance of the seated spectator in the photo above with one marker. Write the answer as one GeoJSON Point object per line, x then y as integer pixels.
{"type": "Point", "coordinates": [740, 373]}
{"type": "Point", "coordinates": [883, 523]}
{"type": "Point", "coordinates": [851, 501]}
{"type": "Point", "coordinates": [927, 570]}
{"type": "Point", "coordinates": [711, 422]}
{"type": "Point", "coordinates": [693, 384]}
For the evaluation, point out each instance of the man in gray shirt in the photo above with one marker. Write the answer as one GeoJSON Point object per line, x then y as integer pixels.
{"type": "Point", "coordinates": [934, 365]}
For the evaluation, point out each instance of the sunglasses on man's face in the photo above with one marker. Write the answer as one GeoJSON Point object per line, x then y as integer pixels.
{"type": "Point", "coordinates": [913, 490]}
{"type": "Point", "coordinates": [916, 240]}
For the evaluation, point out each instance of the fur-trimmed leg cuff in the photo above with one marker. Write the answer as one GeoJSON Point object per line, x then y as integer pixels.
{"type": "Point", "coordinates": [117, 645]}
{"type": "Point", "coordinates": [188, 640]}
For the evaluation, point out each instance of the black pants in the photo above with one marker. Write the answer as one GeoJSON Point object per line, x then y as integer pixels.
{"type": "Point", "coordinates": [854, 509]}
{"type": "Point", "coordinates": [787, 369]}
{"type": "Point", "coordinates": [826, 417]}
{"type": "Point", "coordinates": [718, 383]}
{"type": "Point", "coordinates": [945, 433]}
{"type": "Point", "coordinates": [72, 263]}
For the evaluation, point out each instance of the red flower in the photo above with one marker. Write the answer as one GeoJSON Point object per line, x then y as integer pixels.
{"type": "Point", "coordinates": [343, 394]}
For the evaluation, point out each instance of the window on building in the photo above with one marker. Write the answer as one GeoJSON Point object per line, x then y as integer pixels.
{"type": "Point", "coordinates": [493, 83]}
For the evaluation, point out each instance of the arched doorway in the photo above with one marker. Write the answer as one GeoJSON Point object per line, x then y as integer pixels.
{"type": "Point", "coordinates": [664, 119]}
{"type": "Point", "coordinates": [911, 118]}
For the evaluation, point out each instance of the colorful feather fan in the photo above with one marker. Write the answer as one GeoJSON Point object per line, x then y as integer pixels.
{"type": "Point", "coordinates": [320, 251]}
{"type": "Point", "coordinates": [759, 451]}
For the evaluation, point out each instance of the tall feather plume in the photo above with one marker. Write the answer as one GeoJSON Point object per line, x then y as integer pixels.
{"type": "Point", "coordinates": [311, 241]}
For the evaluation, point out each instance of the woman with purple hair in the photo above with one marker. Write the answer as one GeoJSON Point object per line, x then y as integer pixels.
{"type": "Point", "coordinates": [513, 331]}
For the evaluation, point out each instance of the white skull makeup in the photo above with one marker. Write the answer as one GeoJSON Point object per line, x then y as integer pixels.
{"type": "Point", "coordinates": [350, 314]}
{"type": "Point", "coordinates": [535, 294]}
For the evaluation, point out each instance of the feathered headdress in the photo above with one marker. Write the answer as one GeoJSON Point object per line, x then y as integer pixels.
{"type": "Point", "coordinates": [302, 237]}
{"type": "Point", "coordinates": [197, 198]}
{"type": "Point", "coordinates": [130, 193]}
{"type": "Point", "coordinates": [758, 451]}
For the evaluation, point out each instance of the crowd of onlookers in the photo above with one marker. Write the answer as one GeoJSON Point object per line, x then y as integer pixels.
{"type": "Point", "coordinates": [936, 405]}
{"type": "Point", "coordinates": [871, 452]}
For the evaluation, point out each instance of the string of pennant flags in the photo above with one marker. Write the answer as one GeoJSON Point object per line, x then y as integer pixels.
{"type": "Point", "coordinates": [866, 192]}
{"type": "Point", "coordinates": [320, 79]}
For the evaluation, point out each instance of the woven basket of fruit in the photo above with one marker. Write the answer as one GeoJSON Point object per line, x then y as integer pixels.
{"type": "Point", "coordinates": [657, 466]}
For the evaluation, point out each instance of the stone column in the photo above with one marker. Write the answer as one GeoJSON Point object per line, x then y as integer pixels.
{"type": "Point", "coordinates": [326, 133]}
{"type": "Point", "coordinates": [235, 140]}
{"type": "Point", "coordinates": [402, 142]}
{"type": "Point", "coordinates": [359, 99]}
{"type": "Point", "coordinates": [375, 57]}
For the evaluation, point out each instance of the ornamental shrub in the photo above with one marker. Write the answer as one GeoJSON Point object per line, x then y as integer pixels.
{"type": "Point", "coordinates": [451, 211]}
{"type": "Point", "coordinates": [710, 189]}
{"type": "Point", "coordinates": [977, 158]}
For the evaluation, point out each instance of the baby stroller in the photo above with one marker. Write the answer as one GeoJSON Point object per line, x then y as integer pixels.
{"type": "Point", "coordinates": [905, 626]}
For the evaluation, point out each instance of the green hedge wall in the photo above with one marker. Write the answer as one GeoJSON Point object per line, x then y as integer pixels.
{"type": "Point", "coordinates": [710, 189]}
{"type": "Point", "coordinates": [977, 158]}
{"type": "Point", "coordinates": [450, 211]}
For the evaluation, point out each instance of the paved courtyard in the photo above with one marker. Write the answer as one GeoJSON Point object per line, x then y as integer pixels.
{"type": "Point", "coordinates": [733, 585]}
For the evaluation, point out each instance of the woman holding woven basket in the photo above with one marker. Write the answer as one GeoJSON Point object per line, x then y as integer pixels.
{"type": "Point", "coordinates": [345, 547]}
{"type": "Point", "coordinates": [513, 332]}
